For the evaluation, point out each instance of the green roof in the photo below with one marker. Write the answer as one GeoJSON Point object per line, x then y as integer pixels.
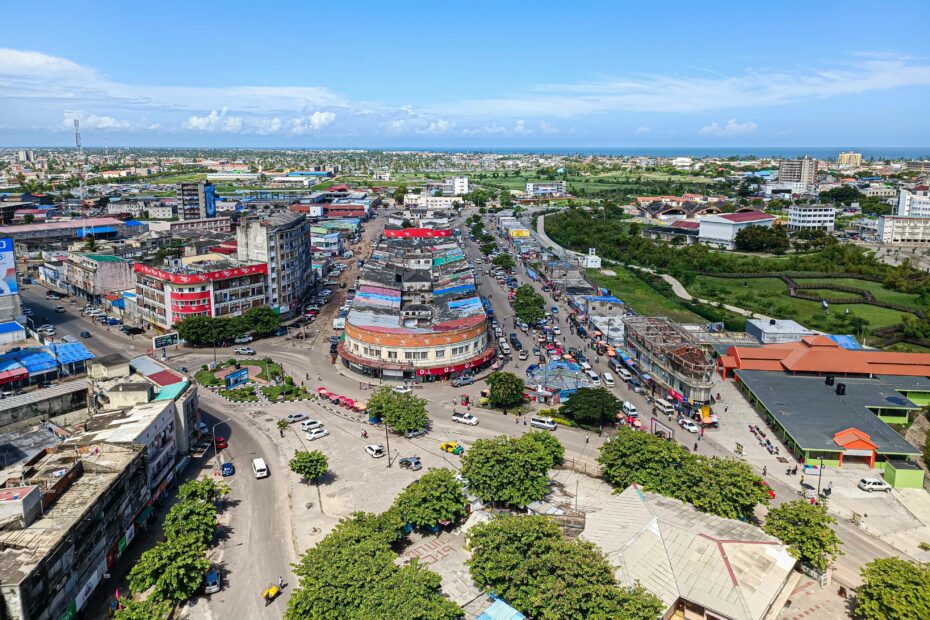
{"type": "Point", "coordinates": [104, 258]}
{"type": "Point", "coordinates": [171, 392]}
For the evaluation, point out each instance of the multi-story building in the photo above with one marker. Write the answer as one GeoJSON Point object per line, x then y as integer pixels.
{"type": "Point", "coordinates": [811, 217]}
{"type": "Point", "coordinates": [214, 288]}
{"type": "Point", "coordinates": [802, 171]}
{"type": "Point", "coordinates": [197, 200]}
{"type": "Point", "coordinates": [553, 188]}
{"type": "Point", "coordinates": [91, 276]}
{"type": "Point", "coordinates": [282, 242]}
{"type": "Point", "coordinates": [417, 313]}
{"type": "Point", "coordinates": [425, 201]}
{"type": "Point", "coordinates": [898, 230]}
{"type": "Point", "coordinates": [214, 224]}
{"type": "Point", "coordinates": [721, 230]}
{"type": "Point", "coordinates": [673, 361]}
{"type": "Point", "coordinates": [918, 166]}
{"type": "Point", "coordinates": [850, 159]}
{"type": "Point", "coordinates": [69, 513]}
{"type": "Point", "coordinates": [913, 204]}
{"type": "Point", "coordinates": [879, 191]}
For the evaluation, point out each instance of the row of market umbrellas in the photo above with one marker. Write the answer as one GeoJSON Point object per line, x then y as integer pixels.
{"type": "Point", "coordinates": [342, 401]}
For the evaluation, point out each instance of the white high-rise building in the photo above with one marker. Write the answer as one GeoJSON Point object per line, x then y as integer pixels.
{"type": "Point", "coordinates": [911, 204]}
{"type": "Point", "coordinates": [811, 217]}
{"type": "Point", "coordinates": [459, 186]}
{"type": "Point", "coordinates": [797, 171]}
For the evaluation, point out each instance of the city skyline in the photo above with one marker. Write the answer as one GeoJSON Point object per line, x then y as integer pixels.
{"type": "Point", "coordinates": [370, 76]}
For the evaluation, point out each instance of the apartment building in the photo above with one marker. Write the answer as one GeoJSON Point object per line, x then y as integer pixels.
{"type": "Point", "coordinates": [196, 200]}
{"type": "Point", "coordinates": [907, 231]}
{"type": "Point", "coordinates": [913, 204]}
{"type": "Point", "coordinates": [212, 288]}
{"type": "Point", "coordinates": [811, 217]}
{"type": "Point", "coordinates": [849, 159]}
{"type": "Point", "coordinates": [802, 171]}
{"type": "Point", "coordinates": [282, 242]}
{"type": "Point", "coordinates": [91, 276]}
{"type": "Point", "coordinates": [553, 188]}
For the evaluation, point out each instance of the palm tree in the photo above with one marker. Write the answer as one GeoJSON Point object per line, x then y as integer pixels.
{"type": "Point", "coordinates": [282, 426]}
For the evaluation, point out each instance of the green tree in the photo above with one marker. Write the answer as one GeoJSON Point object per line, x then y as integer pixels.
{"type": "Point", "coordinates": [311, 466]}
{"type": "Point", "coordinates": [723, 487]}
{"type": "Point", "coordinates": [642, 458]}
{"type": "Point", "coordinates": [282, 425]}
{"type": "Point", "coordinates": [402, 412]}
{"type": "Point", "coordinates": [507, 470]}
{"type": "Point", "coordinates": [806, 529]}
{"type": "Point", "coordinates": [506, 389]}
{"type": "Point", "coordinates": [29, 218]}
{"type": "Point", "coordinates": [148, 609]}
{"type": "Point", "coordinates": [528, 562]}
{"type": "Point", "coordinates": [894, 589]}
{"type": "Point", "coordinates": [191, 519]}
{"type": "Point", "coordinates": [262, 320]}
{"type": "Point", "coordinates": [399, 192]}
{"type": "Point", "coordinates": [528, 305]}
{"type": "Point", "coordinates": [845, 194]}
{"type": "Point", "coordinates": [202, 331]}
{"type": "Point", "coordinates": [175, 569]}
{"type": "Point", "coordinates": [506, 199]}
{"type": "Point", "coordinates": [762, 239]}
{"type": "Point", "coordinates": [90, 244]}
{"type": "Point", "coordinates": [202, 489]}
{"type": "Point", "coordinates": [488, 247]}
{"type": "Point", "coordinates": [352, 574]}
{"type": "Point", "coordinates": [504, 261]}
{"type": "Point", "coordinates": [437, 497]}
{"type": "Point", "coordinates": [927, 447]}
{"type": "Point", "coordinates": [549, 445]}
{"type": "Point", "coordinates": [592, 406]}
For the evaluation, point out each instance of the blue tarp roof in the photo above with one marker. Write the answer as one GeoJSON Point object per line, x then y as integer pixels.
{"type": "Point", "coordinates": [10, 326]}
{"type": "Point", "coordinates": [846, 341]}
{"type": "Point", "coordinates": [71, 352]}
{"type": "Point", "coordinates": [499, 610]}
{"type": "Point", "coordinates": [606, 299]}
{"type": "Point", "coordinates": [133, 223]}
{"type": "Point", "coordinates": [170, 392]}
{"type": "Point", "coordinates": [96, 230]}
{"type": "Point", "coordinates": [33, 360]}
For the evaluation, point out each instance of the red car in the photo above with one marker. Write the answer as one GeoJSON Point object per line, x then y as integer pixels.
{"type": "Point", "coordinates": [221, 443]}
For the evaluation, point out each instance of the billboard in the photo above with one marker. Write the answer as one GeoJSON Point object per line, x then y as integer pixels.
{"type": "Point", "coordinates": [8, 284]}
{"type": "Point", "coordinates": [237, 378]}
{"type": "Point", "coordinates": [165, 340]}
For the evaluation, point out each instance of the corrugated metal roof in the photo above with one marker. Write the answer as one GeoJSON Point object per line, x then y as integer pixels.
{"type": "Point", "coordinates": [170, 392]}
{"type": "Point", "coordinates": [499, 610]}
{"type": "Point", "coordinates": [70, 352]}
{"type": "Point", "coordinates": [10, 326]}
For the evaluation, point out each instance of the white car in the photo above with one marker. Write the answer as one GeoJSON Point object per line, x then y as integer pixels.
{"type": "Point", "coordinates": [245, 351]}
{"type": "Point", "coordinates": [310, 424]}
{"type": "Point", "coordinates": [401, 389]}
{"type": "Point", "coordinates": [316, 433]}
{"type": "Point", "coordinates": [874, 484]}
{"type": "Point", "coordinates": [375, 451]}
{"type": "Point", "coordinates": [689, 425]}
{"type": "Point", "coordinates": [556, 330]}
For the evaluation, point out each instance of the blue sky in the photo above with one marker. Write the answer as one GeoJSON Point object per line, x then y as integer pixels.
{"type": "Point", "coordinates": [466, 74]}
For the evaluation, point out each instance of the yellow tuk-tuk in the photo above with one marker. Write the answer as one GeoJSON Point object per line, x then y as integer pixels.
{"type": "Point", "coordinates": [271, 593]}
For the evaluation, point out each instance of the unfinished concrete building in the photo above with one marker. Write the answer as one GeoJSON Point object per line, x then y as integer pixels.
{"type": "Point", "coordinates": [674, 362]}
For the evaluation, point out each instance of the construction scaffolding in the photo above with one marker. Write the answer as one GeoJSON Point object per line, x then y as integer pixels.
{"type": "Point", "coordinates": [671, 355]}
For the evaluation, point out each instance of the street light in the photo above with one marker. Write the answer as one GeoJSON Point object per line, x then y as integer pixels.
{"type": "Point", "coordinates": [216, 457]}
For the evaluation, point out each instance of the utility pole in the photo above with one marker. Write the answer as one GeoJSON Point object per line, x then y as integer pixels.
{"type": "Point", "coordinates": [80, 156]}
{"type": "Point", "coordinates": [387, 443]}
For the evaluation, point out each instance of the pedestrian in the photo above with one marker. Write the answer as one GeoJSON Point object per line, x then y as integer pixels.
{"type": "Point", "coordinates": [695, 446]}
{"type": "Point", "coordinates": [765, 471]}
{"type": "Point", "coordinates": [802, 480]}
{"type": "Point", "coordinates": [587, 439]}
{"type": "Point", "coordinates": [726, 407]}
{"type": "Point", "coordinates": [702, 431]}
{"type": "Point", "coordinates": [280, 582]}
{"type": "Point", "coordinates": [517, 420]}
{"type": "Point", "coordinates": [524, 421]}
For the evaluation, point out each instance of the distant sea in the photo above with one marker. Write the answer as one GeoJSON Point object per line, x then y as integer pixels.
{"type": "Point", "coordinates": [817, 152]}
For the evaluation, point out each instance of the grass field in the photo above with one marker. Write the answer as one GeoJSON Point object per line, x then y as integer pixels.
{"type": "Point", "coordinates": [880, 292]}
{"type": "Point", "coordinates": [770, 296]}
{"type": "Point", "coordinates": [641, 297]}
{"type": "Point", "coordinates": [905, 347]}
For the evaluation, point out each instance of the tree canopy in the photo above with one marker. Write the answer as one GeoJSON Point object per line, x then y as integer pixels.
{"type": "Point", "coordinates": [724, 487]}
{"type": "Point", "coordinates": [192, 518]}
{"type": "Point", "coordinates": [309, 465]}
{"type": "Point", "coordinates": [805, 528]}
{"type": "Point", "coordinates": [894, 589]}
{"type": "Point", "coordinates": [508, 470]}
{"type": "Point", "coordinates": [527, 561]}
{"type": "Point", "coordinates": [148, 609]}
{"type": "Point", "coordinates": [352, 574]}
{"type": "Point", "coordinates": [506, 389]}
{"type": "Point", "coordinates": [175, 568]}
{"type": "Point", "coordinates": [202, 489]}
{"type": "Point", "coordinates": [205, 331]}
{"type": "Point", "coordinates": [504, 261]}
{"type": "Point", "coordinates": [596, 406]}
{"type": "Point", "coordinates": [437, 497]}
{"type": "Point", "coordinates": [402, 412]}
{"type": "Point", "coordinates": [763, 239]}
{"type": "Point", "coordinates": [262, 321]}
{"type": "Point", "coordinates": [528, 305]}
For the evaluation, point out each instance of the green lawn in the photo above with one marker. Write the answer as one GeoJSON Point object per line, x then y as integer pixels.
{"type": "Point", "coordinates": [905, 347]}
{"type": "Point", "coordinates": [273, 368]}
{"type": "Point", "coordinates": [641, 297]}
{"type": "Point", "coordinates": [880, 292]}
{"type": "Point", "coordinates": [829, 294]}
{"type": "Point", "coordinates": [770, 296]}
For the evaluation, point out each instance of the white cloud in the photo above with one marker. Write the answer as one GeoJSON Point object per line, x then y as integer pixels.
{"type": "Point", "coordinates": [309, 124]}
{"type": "Point", "coordinates": [439, 126]}
{"type": "Point", "coordinates": [92, 121]}
{"type": "Point", "coordinates": [215, 122]}
{"type": "Point", "coordinates": [547, 128]}
{"type": "Point", "coordinates": [642, 129]}
{"type": "Point", "coordinates": [732, 128]}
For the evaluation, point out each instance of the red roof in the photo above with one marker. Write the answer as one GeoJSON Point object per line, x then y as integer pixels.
{"type": "Point", "coordinates": [686, 224]}
{"type": "Point", "coordinates": [747, 216]}
{"type": "Point", "coordinates": [165, 377]}
{"type": "Point", "coordinates": [819, 354]}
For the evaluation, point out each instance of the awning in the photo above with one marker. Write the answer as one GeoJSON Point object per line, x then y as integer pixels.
{"type": "Point", "coordinates": [15, 374]}
{"type": "Point", "coordinates": [96, 230]}
{"type": "Point", "coordinates": [445, 370]}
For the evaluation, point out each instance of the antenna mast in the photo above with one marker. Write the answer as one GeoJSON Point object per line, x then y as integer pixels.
{"type": "Point", "coordinates": [80, 154]}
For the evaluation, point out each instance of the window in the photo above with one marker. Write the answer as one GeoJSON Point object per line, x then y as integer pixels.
{"type": "Point", "coordinates": [392, 355]}
{"type": "Point", "coordinates": [415, 355]}
{"type": "Point", "coordinates": [440, 353]}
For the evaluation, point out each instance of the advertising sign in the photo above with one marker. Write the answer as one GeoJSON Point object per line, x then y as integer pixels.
{"type": "Point", "coordinates": [165, 340]}
{"type": "Point", "coordinates": [237, 378]}
{"type": "Point", "coordinates": [8, 285]}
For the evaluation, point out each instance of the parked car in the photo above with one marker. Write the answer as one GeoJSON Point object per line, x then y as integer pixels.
{"type": "Point", "coordinates": [296, 417]}
{"type": "Point", "coordinates": [85, 334]}
{"type": "Point", "coordinates": [243, 339]}
{"type": "Point", "coordinates": [411, 462]}
{"type": "Point", "coordinates": [114, 321]}
{"type": "Point", "coordinates": [245, 351]}
{"type": "Point", "coordinates": [401, 389]}
{"type": "Point", "coordinates": [213, 582]}
{"type": "Point", "coordinates": [462, 381]}
{"type": "Point", "coordinates": [60, 309]}
{"type": "Point", "coordinates": [309, 424]}
{"type": "Point", "coordinates": [375, 451]}
{"type": "Point", "coordinates": [281, 331]}
{"type": "Point", "coordinates": [874, 484]}
{"type": "Point", "coordinates": [221, 443]}
{"type": "Point", "coordinates": [316, 433]}
{"type": "Point", "coordinates": [228, 469]}
{"type": "Point", "coordinates": [419, 432]}
{"type": "Point", "coordinates": [464, 417]}
{"type": "Point", "coordinates": [452, 447]}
